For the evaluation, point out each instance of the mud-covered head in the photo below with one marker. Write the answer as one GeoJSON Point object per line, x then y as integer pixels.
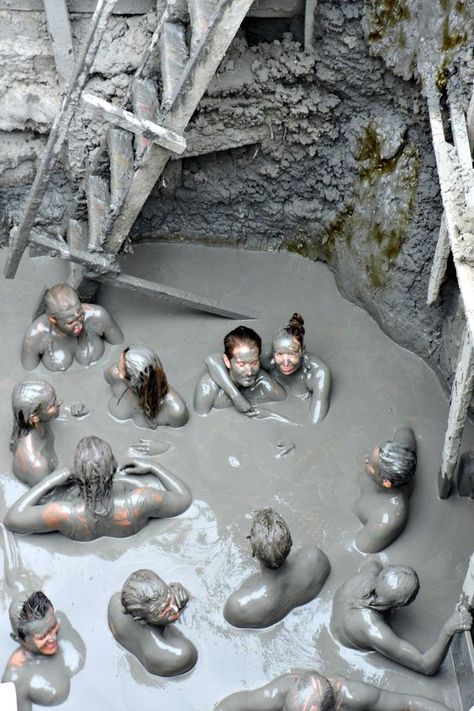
{"type": "Point", "coordinates": [141, 368]}
{"type": "Point", "coordinates": [242, 348]}
{"type": "Point", "coordinates": [288, 345]}
{"type": "Point", "coordinates": [33, 402]}
{"type": "Point", "coordinates": [392, 464]}
{"type": "Point", "coordinates": [310, 692]}
{"type": "Point", "coordinates": [148, 599]}
{"type": "Point", "coordinates": [94, 470]}
{"type": "Point", "coordinates": [34, 623]}
{"type": "Point", "coordinates": [64, 309]}
{"type": "Point", "coordinates": [270, 538]}
{"type": "Point", "coordinates": [395, 586]}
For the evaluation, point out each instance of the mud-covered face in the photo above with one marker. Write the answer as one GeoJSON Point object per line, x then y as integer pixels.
{"type": "Point", "coordinates": [287, 354]}
{"type": "Point", "coordinates": [162, 614]}
{"type": "Point", "coordinates": [42, 635]}
{"type": "Point", "coordinates": [49, 410]}
{"type": "Point", "coordinates": [244, 364]}
{"type": "Point", "coordinates": [71, 321]}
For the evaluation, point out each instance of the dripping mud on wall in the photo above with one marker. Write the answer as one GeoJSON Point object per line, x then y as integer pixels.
{"type": "Point", "coordinates": [230, 464]}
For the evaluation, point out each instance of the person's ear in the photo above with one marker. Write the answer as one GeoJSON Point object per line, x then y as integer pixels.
{"type": "Point", "coordinates": [34, 419]}
{"type": "Point", "coordinates": [386, 484]}
{"type": "Point", "coordinates": [53, 320]}
{"type": "Point", "coordinates": [226, 361]}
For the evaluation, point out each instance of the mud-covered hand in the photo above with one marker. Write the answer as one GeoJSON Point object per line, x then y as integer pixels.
{"type": "Point", "coordinates": [460, 620]}
{"type": "Point", "coordinates": [136, 467]}
{"type": "Point", "coordinates": [78, 409]}
{"type": "Point", "coordinates": [180, 594]}
{"type": "Point", "coordinates": [148, 448]}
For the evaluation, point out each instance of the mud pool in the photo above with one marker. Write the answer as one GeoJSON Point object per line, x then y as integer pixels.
{"type": "Point", "coordinates": [231, 464]}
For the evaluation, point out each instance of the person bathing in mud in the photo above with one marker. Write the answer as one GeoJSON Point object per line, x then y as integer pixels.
{"type": "Point", "coordinates": [34, 405]}
{"type": "Point", "coordinates": [68, 330]}
{"type": "Point", "coordinates": [311, 691]}
{"type": "Point", "coordinates": [360, 616]}
{"type": "Point", "coordinates": [284, 581]}
{"type": "Point", "coordinates": [140, 391]}
{"type": "Point", "coordinates": [240, 363]}
{"type": "Point", "coordinates": [40, 668]}
{"type": "Point", "coordinates": [385, 491]}
{"type": "Point", "coordinates": [286, 360]}
{"type": "Point", "coordinates": [141, 619]}
{"type": "Point", "coordinates": [94, 504]}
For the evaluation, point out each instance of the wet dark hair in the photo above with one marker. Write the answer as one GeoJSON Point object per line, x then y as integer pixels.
{"type": "Point", "coordinates": [241, 334]}
{"type": "Point", "coordinates": [146, 379]}
{"type": "Point", "coordinates": [140, 589]}
{"type": "Point", "coordinates": [94, 471]}
{"type": "Point", "coordinates": [270, 538]}
{"type": "Point", "coordinates": [310, 691]}
{"type": "Point", "coordinates": [35, 607]}
{"type": "Point", "coordinates": [59, 298]}
{"type": "Point", "coordinates": [397, 463]}
{"type": "Point", "coordinates": [27, 398]}
{"type": "Point", "coordinates": [295, 328]}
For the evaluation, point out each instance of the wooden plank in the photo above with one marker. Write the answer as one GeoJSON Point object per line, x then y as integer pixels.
{"type": "Point", "coordinates": [193, 85]}
{"type": "Point", "coordinates": [58, 134]}
{"type": "Point", "coordinates": [98, 204]}
{"type": "Point", "coordinates": [77, 241]}
{"type": "Point", "coordinates": [461, 396]}
{"type": "Point", "coordinates": [125, 119]}
{"type": "Point", "coordinates": [440, 261]}
{"type": "Point", "coordinates": [59, 28]}
{"type": "Point", "coordinates": [309, 23]}
{"type": "Point", "coordinates": [100, 263]}
{"type": "Point", "coordinates": [461, 141]}
{"type": "Point", "coordinates": [145, 106]}
{"type": "Point", "coordinates": [160, 292]}
{"type": "Point", "coordinates": [120, 151]}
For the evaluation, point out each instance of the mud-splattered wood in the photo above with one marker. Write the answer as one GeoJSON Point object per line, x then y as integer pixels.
{"type": "Point", "coordinates": [160, 292]}
{"type": "Point", "coordinates": [120, 149]}
{"type": "Point", "coordinates": [59, 28]}
{"type": "Point", "coordinates": [440, 262]}
{"type": "Point", "coordinates": [58, 134]}
{"type": "Point", "coordinates": [77, 242]}
{"type": "Point", "coordinates": [125, 119]}
{"type": "Point", "coordinates": [461, 396]}
{"type": "Point", "coordinates": [145, 107]}
{"type": "Point", "coordinates": [309, 22]}
{"type": "Point", "coordinates": [188, 94]}
{"type": "Point", "coordinates": [99, 263]}
{"type": "Point", "coordinates": [98, 204]}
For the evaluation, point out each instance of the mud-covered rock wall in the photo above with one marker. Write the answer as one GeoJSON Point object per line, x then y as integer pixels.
{"type": "Point", "coordinates": [341, 168]}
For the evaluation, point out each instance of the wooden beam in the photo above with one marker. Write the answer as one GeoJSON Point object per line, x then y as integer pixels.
{"type": "Point", "coordinates": [309, 23]}
{"type": "Point", "coordinates": [461, 396]}
{"type": "Point", "coordinates": [77, 241]}
{"type": "Point", "coordinates": [160, 292]}
{"type": "Point", "coordinates": [440, 261]}
{"type": "Point", "coordinates": [58, 134]}
{"type": "Point", "coordinates": [99, 263]}
{"type": "Point", "coordinates": [461, 142]}
{"type": "Point", "coordinates": [125, 119]}
{"type": "Point", "coordinates": [59, 28]}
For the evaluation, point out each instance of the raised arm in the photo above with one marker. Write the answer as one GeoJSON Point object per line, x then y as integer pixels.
{"type": "Point", "coordinates": [383, 640]}
{"type": "Point", "coordinates": [318, 382]}
{"type": "Point", "coordinates": [30, 350]}
{"type": "Point", "coordinates": [268, 698]}
{"type": "Point", "coordinates": [26, 516]}
{"type": "Point", "coordinates": [220, 375]}
{"type": "Point", "coordinates": [175, 498]}
{"type": "Point", "coordinates": [356, 696]}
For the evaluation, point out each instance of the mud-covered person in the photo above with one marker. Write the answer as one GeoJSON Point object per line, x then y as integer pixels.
{"type": "Point", "coordinates": [241, 358]}
{"type": "Point", "coordinates": [141, 619]}
{"type": "Point", "coordinates": [39, 668]}
{"type": "Point", "coordinates": [68, 331]}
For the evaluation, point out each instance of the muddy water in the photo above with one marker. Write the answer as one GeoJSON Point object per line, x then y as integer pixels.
{"type": "Point", "coordinates": [231, 465]}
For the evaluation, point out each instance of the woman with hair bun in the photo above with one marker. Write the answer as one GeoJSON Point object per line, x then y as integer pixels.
{"type": "Point", "coordinates": [305, 374]}
{"type": "Point", "coordinates": [34, 405]}
{"type": "Point", "coordinates": [140, 391]}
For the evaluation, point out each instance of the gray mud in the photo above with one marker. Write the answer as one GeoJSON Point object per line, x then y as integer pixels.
{"type": "Point", "coordinates": [233, 467]}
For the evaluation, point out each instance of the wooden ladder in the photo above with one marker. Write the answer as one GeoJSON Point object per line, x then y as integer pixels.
{"type": "Point", "coordinates": [136, 148]}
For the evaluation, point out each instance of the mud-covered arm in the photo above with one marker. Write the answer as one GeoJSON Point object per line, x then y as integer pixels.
{"type": "Point", "coordinates": [111, 331]}
{"type": "Point", "coordinates": [175, 498]}
{"type": "Point", "coordinates": [357, 696]}
{"type": "Point", "coordinates": [112, 375]}
{"type": "Point", "coordinates": [383, 640]}
{"type": "Point", "coordinates": [318, 381]}
{"type": "Point", "coordinates": [382, 528]}
{"type": "Point", "coordinates": [26, 516]}
{"type": "Point", "coordinates": [219, 373]}
{"type": "Point", "coordinates": [268, 698]}
{"type": "Point", "coordinates": [30, 349]}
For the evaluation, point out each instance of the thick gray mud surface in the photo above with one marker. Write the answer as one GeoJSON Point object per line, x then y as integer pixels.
{"type": "Point", "coordinates": [231, 465]}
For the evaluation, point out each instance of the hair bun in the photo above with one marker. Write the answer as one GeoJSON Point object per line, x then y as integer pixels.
{"type": "Point", "coordinates": [297, 322]}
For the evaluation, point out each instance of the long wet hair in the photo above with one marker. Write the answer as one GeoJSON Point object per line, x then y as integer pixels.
{"type": "Point", "coordinates": [270, 538]}
{"type": "Point", "coordinates": [142, 588]}
{"type": "Point", "coordinates": [27, 398]}
{"type": "Point", "coordinates": [145, 378]}
{"type": "Point", "coordinates": [294, 328]}
{"type": "Point", "coordinates": [94, 471]}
